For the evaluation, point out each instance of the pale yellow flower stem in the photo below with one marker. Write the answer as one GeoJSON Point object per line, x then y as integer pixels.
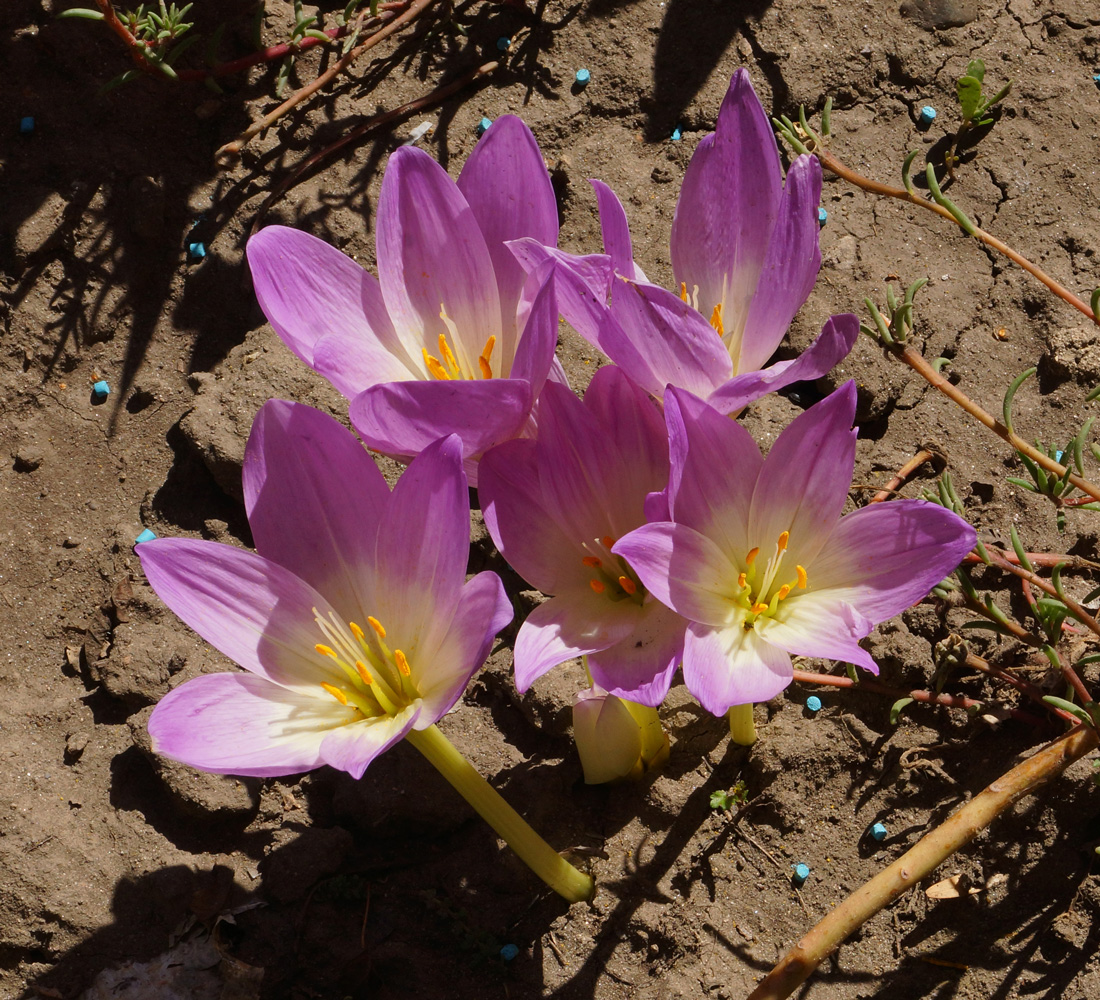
{"type": "Point", "coordinates": [538, 855]}
{"type": "Point", "coordinates": [742, 728]}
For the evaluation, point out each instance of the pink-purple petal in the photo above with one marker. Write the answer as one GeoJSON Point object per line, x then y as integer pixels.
{"type": "Point", "coordinates": [683, 569]}
{"type": "Point", "coordinates": [804, 483]}
{"type": "Point", "coordinates": [257, 612]}
{"type": "Point", "coordinates": [483, 610]}
{"type": "Point", "coordinates": [243, 724]}
{"type": "Point", "coordinates": [432, 255]}
{"type": "Point", "coordinates": [303, 470]}
{"type": "Point", "coordinates": [679, 345]}
{"type": "Point", "coordinates": [728, 206]}
{"type": "Point", "coordinates": [508, 189]}
{"type": "Point", "coordinates": [822, 625]}
{"type": "Point", "coordinates": [583, 284]}
{"type": "Point", "coordinates": [355, 364]}
{"type": "Point", "coordinates": [790, 266]}
{"type": "Point", "coordinates": [886, 557]}
{"type": "Point", "coordinates": [535, 353]}
{"type": "Point", "coordinates": [569, 625]}
{"type": "Point", "coordinates": [641, 666]}
{"type": "Point", "coordinates": [403, 418]}
{"type": "Point", "coordinates": [715, 465]}
{"type": "Point", "coordinates": [616, 232]}
{"type": "Point", "coordinates": [352, 748]}
{"type": "Point", "coordinates": [310, 290]}
{"type": "Point", "coordinates": [523, 529]}
{"type": "Point", "coordinates": [422, 550]}
{"type": "Point", "coordinates": [732, 666]}
{"type": "Point", "coordinates": [829, 348]}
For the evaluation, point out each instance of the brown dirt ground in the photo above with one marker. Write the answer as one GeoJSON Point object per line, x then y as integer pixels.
{"type": "Point", "coordinates": [390, 887]}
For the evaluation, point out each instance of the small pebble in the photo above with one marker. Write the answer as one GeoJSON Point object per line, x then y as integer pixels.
{"type": "Point", "coordinates": [26, 125]}
{"type": "Point", "coordinates": [483, 125]}
{"type": "Point", "coordinates": [100, 391]}
{"type": "Point", "coordinates": [504, 43]}
{"type": "Point", "coordinates": [582, 77]}
{"type": "Point", "coordinates": [196, 251]}
{"type": "Point", "coordinates": [822, 216]}
{"type": "Point", "coordinates": [801, 873]}
{"type": "Point", "coordinates": [1096, 78]}
{"type": "Point", "coordinates": [676, 134]}
{"type": "Point", "coordinates": [927, 116]}
{"type": "Point", "coordinates": [813, 703]}
{"type": "Point", "coordinates": [508, 952]}
{"type": "Point", "coordinates": [1058, 456]}
{"type": "Point", "coordinates": [878, 831]}
{"type": "Point", "coordinates": [145, 536]}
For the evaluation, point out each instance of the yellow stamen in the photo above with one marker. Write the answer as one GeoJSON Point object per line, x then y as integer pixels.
{"type": "Point", "coordinates": [597, 586]}
{"type": "Point", "coordinates": [364, 673]}
{"type": "Point", "coordinates": [684, 290]}
{"type": "Point", "coordinates": [783, 591]}
{"type": "Point", "coordinates": [357, 632]}
{"type": "Point", "coordinates": [402, 662]}
{"type": "Point", "coordinates": [716, 319]}
{"type": "Point", "coordinates": [607, 541]}
{"type": "Point", "coordinates": [802, 578]}
{"type": "Point", "coordinates": [758, 608]}
{"type": "Point", "coordinates": [784, 537]}
{"type": "Point", "coordinates": [751, 557]}
{"type": "Point", "coordinates": [447, 354]}
{"type": "Point", "coordinates": [592, 562]}
{"type": "Point", "coordinates": [742, 581]}
{"type": "Point", "coordinates": [628, 585]}
{"type": "Point", "coordinates": [486, 355]}
{"type": "Point", "coordinates": [336, 693]}
{"type": "Point", "coordinates": [326, 650]}
{"type": "Point", "coordinates": [375, 624]}
{"type": "Point", "coordinates": [433, 366]}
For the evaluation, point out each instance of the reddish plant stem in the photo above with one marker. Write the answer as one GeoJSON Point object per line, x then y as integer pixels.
{"type": "Point", "coordinates": [1049, 559]}
{"type": "Point", "coordinates": [135, 47]}
{"type": "Point", "coordinates": [1025, 687]}
{"type": "Point", "coordinates": [1017, 630]}
{"type": "Point", "coordinates": [903, 474]}
{"type": "Point", "coordinates": [998, 559]}
{"type": "Point", "coordinates": [269, 54]}
{"type": "Point", "coordinates": [838, 167]}
{"type": "Point", "coordinates": [921, 860]}
{"type": "Point", "coordinates": [231, 150]}
{"type": "Point", "coordinates": [928, 697]}
{"type": "Point", "coordinates": [914, 360]}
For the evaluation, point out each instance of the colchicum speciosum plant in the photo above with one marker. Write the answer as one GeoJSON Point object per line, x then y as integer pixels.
{"type": "Point", "coordinates": [755, 554]}
{"type": "Point", "coordinates": [354, 620]}
{"type": "Point", "coordinates": [745, 255]}
{"type": "Point", "coordinates": [452, 337]}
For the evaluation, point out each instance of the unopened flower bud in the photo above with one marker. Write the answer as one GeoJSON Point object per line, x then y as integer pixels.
{"type": "Point", "coordinates": [617, 740]}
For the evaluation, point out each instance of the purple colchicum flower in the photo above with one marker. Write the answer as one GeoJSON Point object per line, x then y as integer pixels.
{"type": "Point", "coordinates": [450, 337]}
{"type": "Point", "coordinates": [745, 255]}
{"type": "Point", "coordinates": [353, 619]}
{"type": "Point", "coordinates": [755, 554]}
{"type": "Point", "coordinates": [555, 506]}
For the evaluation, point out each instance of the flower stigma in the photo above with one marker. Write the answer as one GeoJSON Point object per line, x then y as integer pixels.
{"type": "Point", "coordinates": [379, 681]}
{"type": "Point", "coordinates": [755, 597]}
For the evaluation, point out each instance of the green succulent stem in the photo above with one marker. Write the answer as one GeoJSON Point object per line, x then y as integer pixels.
{"type": "Point", "coordinates": [742, 727]}
{"type": "Point", "coordinates": [513, 829]}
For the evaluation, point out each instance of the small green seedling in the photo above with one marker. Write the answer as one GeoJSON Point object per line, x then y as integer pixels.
{"type": "Point", "coordinates": [975, 108]}
{"type": "Point", "coordinates": [725, 800]}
